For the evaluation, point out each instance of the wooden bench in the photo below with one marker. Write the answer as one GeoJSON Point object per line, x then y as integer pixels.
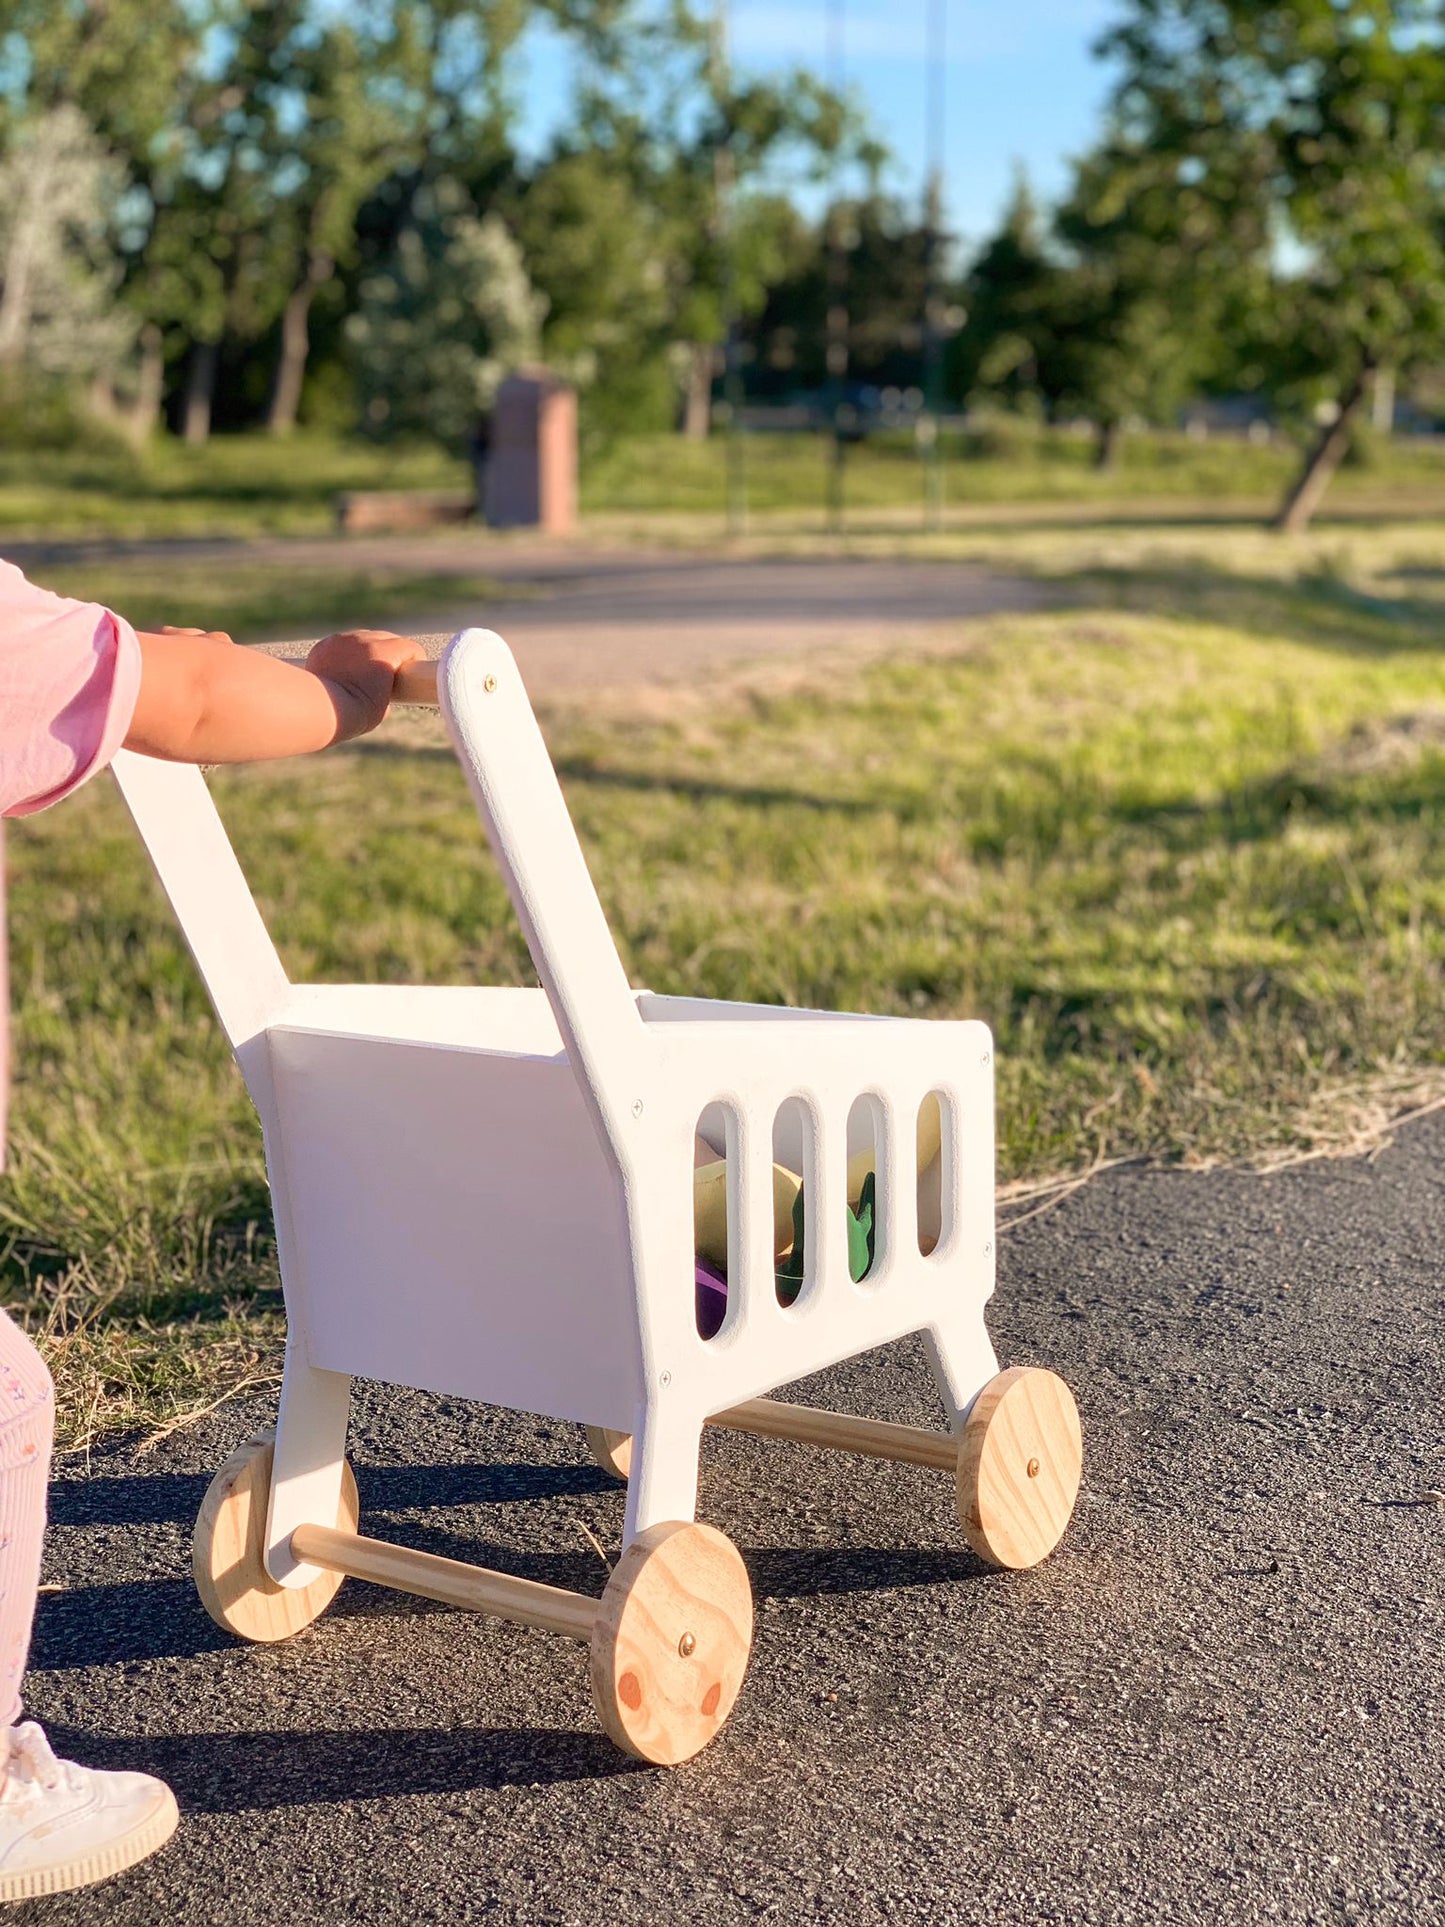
{"type": "Point", "coordinates": [367, 511]}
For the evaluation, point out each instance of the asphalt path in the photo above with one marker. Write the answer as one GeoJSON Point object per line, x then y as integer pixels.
{"type": "Point", "coordinates": [580, 616]}
{"type": "Point", "coordinates": [1220, 1701]}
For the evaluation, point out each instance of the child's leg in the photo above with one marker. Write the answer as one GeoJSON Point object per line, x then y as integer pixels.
{"type": "Point", "coordinates": [61, 1825]}
{"type": "Point", "coordinates": [27, 1427]}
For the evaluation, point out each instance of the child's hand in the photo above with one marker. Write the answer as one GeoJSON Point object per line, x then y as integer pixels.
{"type": "Point", "coordinates": [359, 666]}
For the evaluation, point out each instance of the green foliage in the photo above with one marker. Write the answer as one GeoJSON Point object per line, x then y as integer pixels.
{"type": "Point", "coordinates": [58, 264]}
{"type": "Point", "coordinates": [1321, 123]}
{"type": "Point", "coordinates": [443, 321]}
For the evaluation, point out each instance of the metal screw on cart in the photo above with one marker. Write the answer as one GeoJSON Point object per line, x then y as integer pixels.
{"type": "Point", "coordinates": [984, 1058]}
{"type": "Point", "coordinates": [637, 1107]}
{"type": "Point", "coordinates": [687, 1645]}
{"type": "Point", "coordinates": [1033, 1468]}
{"type": "Point", "coordinates": [490, 685]}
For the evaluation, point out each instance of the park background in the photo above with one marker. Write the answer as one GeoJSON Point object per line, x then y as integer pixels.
{"type": "Point", "coordinates": [1170, 826]}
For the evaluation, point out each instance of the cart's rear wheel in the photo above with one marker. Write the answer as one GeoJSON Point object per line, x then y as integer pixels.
{"type": "Point", "coordinates": [1020, 1458]}
{"type": "Point", "coordinates": [612, 1450]}
{"type": "Point", "coordinates": [671, 1641]}
{"type": "Point", "coordinates": [226, 1552]}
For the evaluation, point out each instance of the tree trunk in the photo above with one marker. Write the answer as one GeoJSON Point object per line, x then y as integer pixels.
{"type": "Point", "coordinates": [697, 406]}
{"type": "Point", "coordinates": [16, 292]}
{"type": "Point", "coordinates": [1382, 407]}
{"type": "Point", "coordinates": [1298, 507]}
{"type": "Point", "coordinates": [150, 388]}
{"type": "Point", "coordinates": [295, 346]}
{"type": "Point", "coordinates": [200, 387]}
{"type": "Point", "coordinates": [1107, 444]}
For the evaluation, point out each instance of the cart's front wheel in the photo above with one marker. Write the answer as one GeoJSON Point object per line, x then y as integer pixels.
{"type": "Point", "coordinates": [612, 1450]}
{"type": "Point", "coordinates": [671, 1641]}
{"type": "Point", "coordinates": [1020, 1458]}
{"type": "Point", "coordinates": [227, 1551]}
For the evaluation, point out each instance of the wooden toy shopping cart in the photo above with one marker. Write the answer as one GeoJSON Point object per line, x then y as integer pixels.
{"type": "Point", "coordinates": [488, 1193]}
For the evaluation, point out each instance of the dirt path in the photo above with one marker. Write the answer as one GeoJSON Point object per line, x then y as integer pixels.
{"type": "Point", "coordinates": [594, 620]}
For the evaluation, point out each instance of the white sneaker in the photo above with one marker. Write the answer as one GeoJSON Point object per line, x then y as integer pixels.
{"type": "Point", "coordinates": [64, 1826]}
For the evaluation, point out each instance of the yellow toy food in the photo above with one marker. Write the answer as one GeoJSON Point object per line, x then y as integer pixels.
{"type": "Point", "coordinates": [710, 1192]}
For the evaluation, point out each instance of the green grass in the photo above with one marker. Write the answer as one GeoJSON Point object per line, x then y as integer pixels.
{"type": "Point", "coordinates": [251, 602]}
{"type": "Point", "coordinates": [235, 485]}
{"type": "Point", "coordinates": [1180, 841]}
{"type": "Point", "coordinates": [249, 485]}
{"type": "Point", "coordinates": [787, 475]}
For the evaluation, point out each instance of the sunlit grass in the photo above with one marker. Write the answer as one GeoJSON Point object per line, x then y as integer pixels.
{"type": "Point", "coordinates": [1179, 842]}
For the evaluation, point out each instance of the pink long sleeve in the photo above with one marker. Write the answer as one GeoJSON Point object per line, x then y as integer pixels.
{"type": "Point", "coordinates": [69, 677]}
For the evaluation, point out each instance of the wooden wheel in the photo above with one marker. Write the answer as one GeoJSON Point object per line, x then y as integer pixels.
{"type": "Point", "coordinates": [226, 1552]}
{"type": "Point", "coordinates": [612, 1450]}
{"type": "Point", "coordinates": [1020, 1457]}
{"type": "Point", "coordinates": [671, 1641]}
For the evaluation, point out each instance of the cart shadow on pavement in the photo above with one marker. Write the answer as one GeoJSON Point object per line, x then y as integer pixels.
{"type": "Point", "coordinates": [174, 1498]}
{"type": "Point", "coordinates": [247, 1772]}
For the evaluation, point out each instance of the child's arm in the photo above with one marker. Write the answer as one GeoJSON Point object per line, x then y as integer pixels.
{"type": "Point", "coordinates": [203, 700]}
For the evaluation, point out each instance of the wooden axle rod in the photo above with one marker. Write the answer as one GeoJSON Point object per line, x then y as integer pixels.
{"type": "Point", "coordinates": [771, 1418]}
{"type": "Point", "coordinates": [455, 1583]}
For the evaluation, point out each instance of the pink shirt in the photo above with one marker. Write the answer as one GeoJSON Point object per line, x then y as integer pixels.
{"type": "Point", "coordinates": [69, 677]}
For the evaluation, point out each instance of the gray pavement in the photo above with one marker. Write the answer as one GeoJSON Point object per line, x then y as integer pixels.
{"type": "Point", "coordinates": [586, 621]}
{"type": "Point", "coordinates": [583, 617]}
{"type": "Point", "coordinates": [1220, 1701]}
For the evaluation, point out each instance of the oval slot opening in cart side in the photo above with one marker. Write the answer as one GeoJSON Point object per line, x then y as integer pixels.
{"type": "Point", "coordinates": [937, 1142]}
{"type": "Point", "coordinates": [714, 1173]}
{"type": "Point", "coordinates": [866, 1125]}
{"type": "Point", "coordinates": [794, 1205]}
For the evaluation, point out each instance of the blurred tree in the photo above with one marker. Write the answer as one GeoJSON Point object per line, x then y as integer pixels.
{"type": "Point", "coordinates": [450, 315]}
{"type": "Point", "coordinates": [1153, 259]}
{"type": "Point", "coordinates": [345, 127]}
{"type": "Point", "coordinates": [887, 269]}
{"type": "Point", "coordinates": [599, 259]}
{"type": "Point", "coordinates": [1009, 295]}
{"type": "Point", "coordinates": [59, 268]}
{"type": "Point", "coordinates": [667, 115]}
{"type": "Point", "coordinates": [128, 68]}
{"type": "Point", "coordinates": [1343, 103]}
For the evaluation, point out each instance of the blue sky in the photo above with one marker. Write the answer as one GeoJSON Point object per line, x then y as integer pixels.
{"type": "Point", "coordinates": [1020, 85]}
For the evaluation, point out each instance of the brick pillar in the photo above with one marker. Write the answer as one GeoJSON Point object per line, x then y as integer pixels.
{"type": "Point", "coordinates": [531, 477]}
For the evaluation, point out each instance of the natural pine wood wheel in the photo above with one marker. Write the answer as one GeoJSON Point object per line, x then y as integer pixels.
{"type": "Point", "coordinates": [226, 1552]}
{"type": "Point", "coordinates": [671, 1641]}
{"type": "Point", "coordinates": [1020, 1457]}
{"type": "Point", "coordinates": [612, 1450]}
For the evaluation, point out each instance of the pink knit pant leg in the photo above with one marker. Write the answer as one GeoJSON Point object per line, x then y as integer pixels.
{"type": "Point", "coordinates": [27, 1429]}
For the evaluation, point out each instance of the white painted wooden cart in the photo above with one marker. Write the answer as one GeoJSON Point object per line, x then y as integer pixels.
{"type": "Point", "coordinates": [488, 1193]}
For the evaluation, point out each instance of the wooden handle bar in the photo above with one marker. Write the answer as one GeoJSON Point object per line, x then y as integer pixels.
{"type": "Point", "coordinates": [770, 1418]}
{"type": "Point", "coordinates": [416, 685]}
{"type": "Point", "coordinates": [475, 1589]}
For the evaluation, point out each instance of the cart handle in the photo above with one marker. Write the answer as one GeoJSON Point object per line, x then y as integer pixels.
{"type": "Point", "coordinates": [415, 687]}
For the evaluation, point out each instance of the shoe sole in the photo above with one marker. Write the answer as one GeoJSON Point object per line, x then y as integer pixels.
{"type": "Point", "coordinates": [84, 1871]}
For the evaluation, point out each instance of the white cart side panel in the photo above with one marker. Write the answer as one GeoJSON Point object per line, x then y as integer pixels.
{"type": "Point", "coordinates": [752, 1070]}
{"type": "Point", "coordinates": [454, 1225]}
